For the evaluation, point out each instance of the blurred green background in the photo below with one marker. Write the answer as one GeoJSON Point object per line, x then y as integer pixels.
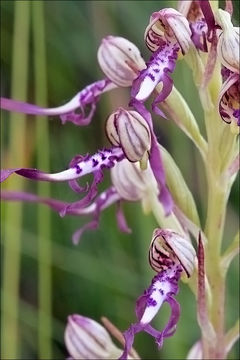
{"type": "Point", "coordinates": [48, 53]}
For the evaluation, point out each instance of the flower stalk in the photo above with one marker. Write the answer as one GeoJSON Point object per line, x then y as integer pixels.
{"type": "Point", "coordinates": [44, 219]}
{"type": "Point", "coordinates": [12, 235]}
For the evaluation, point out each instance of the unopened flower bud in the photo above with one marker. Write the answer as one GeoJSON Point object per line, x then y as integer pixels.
{"type": "Point", "coordinates": [131, 182]}
{"type": "Point", "coordinates": [228, 42]}
{"type": "Point", "coordinates": [129, 130]}
{"type": "Point", "coordinates": [87, 339]}
{"type": "Point", "coordinates": [168, 24]}
{"type": "Point", "coordinates": [120, 60]}
{"type": "Point", "coordinates": [168, 248]}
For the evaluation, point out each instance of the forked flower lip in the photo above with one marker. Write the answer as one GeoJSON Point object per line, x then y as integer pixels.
{"type": "Point", "coordinates": [163, 288]}
{"type": "Point", "coordinates": [67, 112]}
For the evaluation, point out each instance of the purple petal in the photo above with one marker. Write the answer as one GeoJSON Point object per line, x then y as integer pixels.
{"type": "Point", "coordinates": [129, 338]}
{"type": "Point", "coordinates": [24, 196]}
{"type": "Point", "coordinates": [92, 192]}
{"type": "Point", "coordinates": [164, 286]}
{"type": "Point", "coordinates": [208, 15]}
{"type": "Point", "coordinates": [68, 112]}
{"type": "Point", "coordinates": [199, 34]}
{"type": "Point", "coordinates": [104, 200]}
{"type": "Point", "coordinates": [121, 220]}
{"type": "Point", "coordinates": [6, 173]}
{"type": "Point", "coordinates": [106, 158]}
{"type": "Point", "coordinates": [161, 62]}
{"type": "Point", "coordinates": [170, 328]}
{"type": "Point", "coordinates": [92, 225]}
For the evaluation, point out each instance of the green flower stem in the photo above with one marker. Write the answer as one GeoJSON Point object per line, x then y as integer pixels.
{"type": "Point", "coordinates": [13, 212]}
{"type": "Point", "coordinates": [178, 110]}
{"type": "Point", "coordinates": [44, 216]}
{"type": "Point", "coordinates": [218, 192]}
{"type": "Point", "coordinates": [170, 221]}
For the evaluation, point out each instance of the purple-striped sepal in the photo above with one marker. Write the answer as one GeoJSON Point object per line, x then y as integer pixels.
{"type": "Point", "coordinates": [129, 130]}
{"type": "Point", "coordinates": [229, 98]}
{"type": "Point", "coordinates": [120, 60]}
{"type": "Point", "coordinates": [87, 339]}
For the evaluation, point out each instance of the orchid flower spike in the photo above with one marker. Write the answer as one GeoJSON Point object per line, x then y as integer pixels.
{"type": "Point", "coordinates": [229, 99]}
{"type": "Point", "coordinates": [169, 254]}
{"type": "Point", "coordinates": [228, 41]}
{"type": "Point", "coordinates": [120, 60]}
{"type": "Point", "coordinates": [87, 339]}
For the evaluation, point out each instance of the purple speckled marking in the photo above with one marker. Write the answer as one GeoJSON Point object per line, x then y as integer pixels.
{"type": "Point", "coordinates": [161, 291]}
{"type": "Point", "coordinates": [151, 76]}
{"type": "Point", "coordinates": [94, 162]}
{"type": "Point", "coordinates": [78, 169]}
{"type": "Point", "coordinates": [151, 302]}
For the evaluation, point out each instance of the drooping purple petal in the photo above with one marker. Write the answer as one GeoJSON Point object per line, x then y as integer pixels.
{"type": "Point", "coordinates": [56, 205]}
{"type": "Point", "coordinates": [161, 63]}
{"type": "Point", "coordinates": [164, 286]}
{"type": "Point", "coordinates": [105, 158]}
{"type": "Point", "coordinates": [73, 111]}
{"type": "Point", "coordinates": [74, 185]}
{"type": "Point", "coordinates": [104, 200]}
{"type": "Point", "coordinates": [155, 160]}
{"type": "Point", "coordinates": [92, 192]}
{"type": "Point", "coordinates": [92, 225]}
{"type": "Point", "coordinates": [208, 15]}
{"type": "Point", "coordinates": [199, 34]}
{"type": "Point", "coordinates": [6, 173]}
{"type": "Point", "coordinates": [121, 220]}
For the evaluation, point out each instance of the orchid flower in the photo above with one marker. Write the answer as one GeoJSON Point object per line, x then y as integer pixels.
{"type": "Point", "coordinates": [229, 98]}
{"type": "Point", "coordinates": [167, 33]}
{"type": "Point", "coordinates": [132, 136]}
{"type": "Point", "coordinates": [228, 54]}
{"type": "Point", "coordinates": [130, 183]}
{"type": "Point", "coordinates": [169, 255]}
{"type": "Point", "coordinates": [73, 111]}
{"type": "Point", "coordinates": [192, 11]}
